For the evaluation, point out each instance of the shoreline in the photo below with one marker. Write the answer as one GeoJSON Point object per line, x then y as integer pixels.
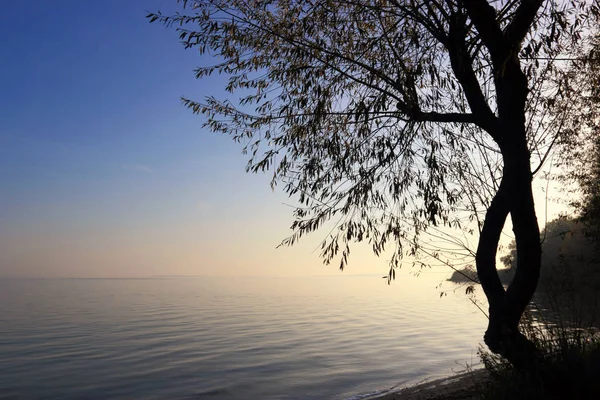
{"type": "Point", "coordinates": [461, 386]}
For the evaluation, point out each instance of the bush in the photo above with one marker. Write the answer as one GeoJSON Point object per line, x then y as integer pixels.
{"type": "Point", "coordinates": [562, 327]}
{"type": "Point", "coordinates": [568, 368]}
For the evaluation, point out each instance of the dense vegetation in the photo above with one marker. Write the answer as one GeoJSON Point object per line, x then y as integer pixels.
{"type": "Point", "coordinates": [570, 261]}
{"type": "Point", "coordinates": [563, 321]}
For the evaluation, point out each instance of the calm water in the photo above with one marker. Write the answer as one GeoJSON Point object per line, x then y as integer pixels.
{"type": "Point", "coordinates": [244, 338]}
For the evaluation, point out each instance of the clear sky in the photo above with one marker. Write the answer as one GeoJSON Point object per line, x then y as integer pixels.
{"type": "Point", "coordinates": [103, 173]}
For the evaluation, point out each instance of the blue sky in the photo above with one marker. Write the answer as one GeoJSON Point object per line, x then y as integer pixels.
{"type": "Point", "coordinates": [105, 174]}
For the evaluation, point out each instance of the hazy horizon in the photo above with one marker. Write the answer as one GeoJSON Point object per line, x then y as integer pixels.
{"type": "Point", "coordinates": [105, 173]}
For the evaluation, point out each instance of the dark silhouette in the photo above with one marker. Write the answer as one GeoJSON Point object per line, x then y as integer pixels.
{"type": "Point", "coordinates": [393, 118]}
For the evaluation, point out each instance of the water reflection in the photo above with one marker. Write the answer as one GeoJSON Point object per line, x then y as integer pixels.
{"type": "Point", "coordinates": [309, 338]}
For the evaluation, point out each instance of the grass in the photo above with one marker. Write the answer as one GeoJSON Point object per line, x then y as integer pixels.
{"type": "Point", "coordinates": [568, 368]}
{"type": "Point", "coordinates": [569, 352]}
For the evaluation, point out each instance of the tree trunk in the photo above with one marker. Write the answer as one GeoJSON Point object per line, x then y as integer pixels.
{"type": "Point", "coordinates": [514, 196]}
{"type": "Point", "coordinates": [529, 251]}
{"type": "Point", "coordinates": [507, 306]}
{"type": "Point", "coordinates": [485, 261]}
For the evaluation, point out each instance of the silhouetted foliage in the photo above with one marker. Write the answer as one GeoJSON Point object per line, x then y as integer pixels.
{"type": "Point", "coordinates": [468, 274]}
{"type": "Point", "coordinates": [392, 118]}
{"type": "Point", "coordinates": [570, 272]}
{"type": "Point", "coordinates": [581, 158]}
{"type": "Point", "coordinates": [568, 367]}
{"type": "Point", "coordinates": [588, 155]}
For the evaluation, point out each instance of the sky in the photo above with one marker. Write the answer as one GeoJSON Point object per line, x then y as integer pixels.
{"type": "Point", "coordinates": [103, 173]}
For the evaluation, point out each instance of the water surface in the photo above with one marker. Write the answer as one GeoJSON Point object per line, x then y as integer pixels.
{"type": "Point", "coordinates": [240, 338]}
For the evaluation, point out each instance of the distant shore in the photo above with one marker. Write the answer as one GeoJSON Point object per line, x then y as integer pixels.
{"type": "Point", "coordinates": [462, 386]}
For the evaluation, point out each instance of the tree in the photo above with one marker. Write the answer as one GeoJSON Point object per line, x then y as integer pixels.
{"type": "Point", "coordinates": [394, 118]}
{"type": "Point", "coordinates": [588, 178]}
{"type": "Point", "coordinates": [583, 151]}
{"type": "Point", "coordinates": [568, 290]}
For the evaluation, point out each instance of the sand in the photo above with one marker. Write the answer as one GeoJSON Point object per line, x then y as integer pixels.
{"type": "Point", "coordinates": [462, 386]}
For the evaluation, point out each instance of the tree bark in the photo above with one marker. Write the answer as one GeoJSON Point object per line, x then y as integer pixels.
{"type": "Point", "coordinates": [485, 261]}
{"type": "Point", "coordinates": [515, 196]}
{"type": "Point", "coordinates": [506, 307]}
{"type": "Point", "coordinates": [511, 84]}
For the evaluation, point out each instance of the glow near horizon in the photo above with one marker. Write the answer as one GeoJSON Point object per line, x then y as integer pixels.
{"type": "Point", "coordinates": [105, 174]}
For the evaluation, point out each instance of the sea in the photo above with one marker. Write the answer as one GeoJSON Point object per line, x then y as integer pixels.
{"type": "Point", "coordinates": [336, 337]}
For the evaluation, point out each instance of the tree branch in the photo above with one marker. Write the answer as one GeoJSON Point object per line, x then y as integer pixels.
{"type": "Point", "coordinates": [461, 63]}
{"type": "Point", "coordinates": [464, 118]}
{"type": "Point", "coordinates": [484, 18]}
{"type": "Point", "coordinates": [521, 23]}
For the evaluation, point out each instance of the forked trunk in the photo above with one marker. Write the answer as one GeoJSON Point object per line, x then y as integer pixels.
{"type": "Point", "coordinates": [507, 306]}
{"type": "Point", "coordinates": [514, 197]}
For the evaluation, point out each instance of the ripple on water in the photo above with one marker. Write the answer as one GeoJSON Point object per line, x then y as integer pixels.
{"type": "Point", "coordinates": [227, 339]}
